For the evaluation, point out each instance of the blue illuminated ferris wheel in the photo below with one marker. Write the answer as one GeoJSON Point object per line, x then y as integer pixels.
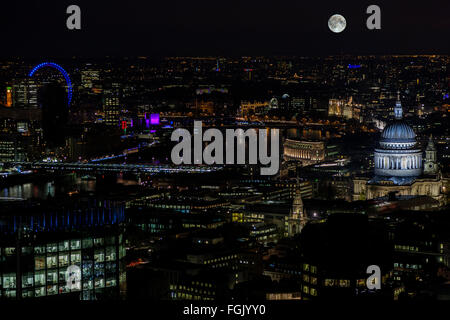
{"type": "Point", "coordinates": [63, 72]}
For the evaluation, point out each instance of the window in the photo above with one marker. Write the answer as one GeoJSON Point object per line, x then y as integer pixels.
{"type": "Point", "coordinates": [51, 290]}
{"type": "Point", "coordinates": [75, 244]}
{"type": "Point", "coordinates": [10, 293]}
{"type": "Point", "coordinates": [52, 262]}
{"type": "Point", "coordinates": [87, 270]}
{"type": "Point", "coordinates": [98, 242]}
{"type": "Point", "coordinates": [63, 260]}
{"type": "Point", "coordinates": [39, 279]}
{"type": "Point", "coordinates": [39, 262]}
{"type": "Point", "coordinates": [26, 250]}
{"type": "Point", "coordinates": [87, 243]}
{"type": "Point", "coordinates": [111, 282]}
{"type": "Point", "coordinates": [10, 251]}
{"type": "Point", "coordinates": [63, 246]}
{"type": "Point", "coordinates": [64, 289]}
{"type": "Point", "coordinates": [110, 253]}
{"type": "Point", "coordinates": [75, 257]}
{"type": "Point", "coordinates": [100, 283]}
{"type": "Point", "coordinates": [99, 256]}
{"type": "Point", "coordinates": [99, 270]}
{"type": "Point", "coordinates": [27, 280]}
{"type": "Point", "coordinates": [329, 282]}
{"type": "Point", "coordinates": [88, 285]}
{"type": "Point", "coordinates": [52, 277]}
{"type": "Point", "coordinates": [110, 267]}
{"type": "Point", "coordinates": [39, 292]}
{"type": "Point", "coordinates": [52, 247]}
{"type": "Point", "coordinates": [344, 283]}
{"type": "Point", "coordinates": [40, 249]}
{"type": "Point", "coordinates": [9, 281]}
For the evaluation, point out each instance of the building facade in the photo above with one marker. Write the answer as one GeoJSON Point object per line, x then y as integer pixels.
{"type": "Point", "coordinates": [399, 166]}
{"type": "Point", "coordinates": [308, 152]}
{"type": "Point", "coordinates": [111, 104]}
{"type": "Point", "coordinates": [40, 247]}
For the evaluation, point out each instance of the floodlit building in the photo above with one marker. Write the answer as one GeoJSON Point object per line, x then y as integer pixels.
{"type": "Point", "coordinates": [399, 167]}
{"type": "Point", "coordinates": [308, 152]}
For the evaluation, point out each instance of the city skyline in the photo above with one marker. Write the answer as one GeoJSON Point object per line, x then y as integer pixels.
{"type": "Point", "coordinates": [89, 192]}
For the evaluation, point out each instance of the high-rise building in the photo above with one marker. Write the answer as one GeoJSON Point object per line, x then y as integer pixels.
{"type": "Point", "coordinates": [336, 254]}
{"type": "Point", "coordinates": [89, 77]}
{"type": "Point", "coordinates": [53, 101]}
{"type": "Point", "coordinates": [11, 148]}
{"type": "Point", "coordinates": [25, 93]}
{"type": "Point", "coordinates": [111, 104]}
{"type": "Point", "coordinates": [42, 243]}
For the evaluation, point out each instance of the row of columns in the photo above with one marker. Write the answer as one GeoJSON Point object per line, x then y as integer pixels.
{"type": "Point", "coordinates": [400, 163]}
{"type": "Point", "coordinates": [302, 154]}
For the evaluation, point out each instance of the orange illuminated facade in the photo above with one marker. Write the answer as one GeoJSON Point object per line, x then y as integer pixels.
{"type": "Point", "coordinates": [8, 96]}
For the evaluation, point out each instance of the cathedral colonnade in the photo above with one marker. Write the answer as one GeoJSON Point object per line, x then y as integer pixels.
{"type": "Point", "coordinates": [398, 163]}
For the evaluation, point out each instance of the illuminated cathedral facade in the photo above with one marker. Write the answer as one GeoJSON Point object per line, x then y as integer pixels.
{"type": "Point", "coordinates": [400, 168]}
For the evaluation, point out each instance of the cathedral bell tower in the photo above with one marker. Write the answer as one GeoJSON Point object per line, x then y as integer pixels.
{"type": "Point", "coordinates": [430, 165]}
{"type": "Point", "coordinates": [297, 217]}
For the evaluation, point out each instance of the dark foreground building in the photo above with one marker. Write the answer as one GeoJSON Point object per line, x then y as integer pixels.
{"type": "Point", "coordinates": [53, 101]}
{"type": "Point", "coordinates": [40, 241]}
{"type": "Point", "coordinates": [336, 254]}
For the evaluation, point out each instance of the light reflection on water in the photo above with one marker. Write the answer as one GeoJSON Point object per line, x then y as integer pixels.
{"type": "Point", "coordinates": [43, 190]}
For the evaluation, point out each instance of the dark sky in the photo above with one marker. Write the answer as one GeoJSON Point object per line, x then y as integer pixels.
{"type": "Point", "coordinates": [221, 27]}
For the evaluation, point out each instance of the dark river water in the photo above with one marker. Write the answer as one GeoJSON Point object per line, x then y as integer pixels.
{"type": "Point", "coordinates": [43, 189]}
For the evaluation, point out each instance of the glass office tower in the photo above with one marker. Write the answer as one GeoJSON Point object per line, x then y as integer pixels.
{"type": "Point", "coordinates": [38, 246]}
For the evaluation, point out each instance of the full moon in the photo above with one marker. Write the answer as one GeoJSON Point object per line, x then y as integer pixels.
{"type": "Point", "coordinates": [337, 23]}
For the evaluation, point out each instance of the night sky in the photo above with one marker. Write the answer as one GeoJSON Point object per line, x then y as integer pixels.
{"type": "Point", "coordinates": [200, 27]}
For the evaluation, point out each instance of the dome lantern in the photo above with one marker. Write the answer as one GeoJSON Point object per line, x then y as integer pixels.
{"type": "Point", "coordinates": [398, 110]}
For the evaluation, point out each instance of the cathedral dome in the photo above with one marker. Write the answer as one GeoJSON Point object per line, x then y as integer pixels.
{"type": "Point", "coordinates": [398, 131]}
{"type": "Point", "coordinates": [397, 157]}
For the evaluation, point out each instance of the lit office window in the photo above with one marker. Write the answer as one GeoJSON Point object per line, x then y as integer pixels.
{"type": "Point", "coordinates": [27, 280]}
{"type": "Point", "coordinates": [75, 244]}
{"type": "Point", "coordinates": [64, 245]}
{"type": "Point", "coordinates": [9, 281]}
{"type": "Point", "coordinates": [39, 262]}
{"type": "Point", "coordinates": [39, 278]}
{"type": "Point", "coordinates": [52, 247]}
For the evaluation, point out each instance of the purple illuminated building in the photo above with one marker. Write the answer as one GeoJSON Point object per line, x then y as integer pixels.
{"type": "Point", "coordinates": [154, 118]}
